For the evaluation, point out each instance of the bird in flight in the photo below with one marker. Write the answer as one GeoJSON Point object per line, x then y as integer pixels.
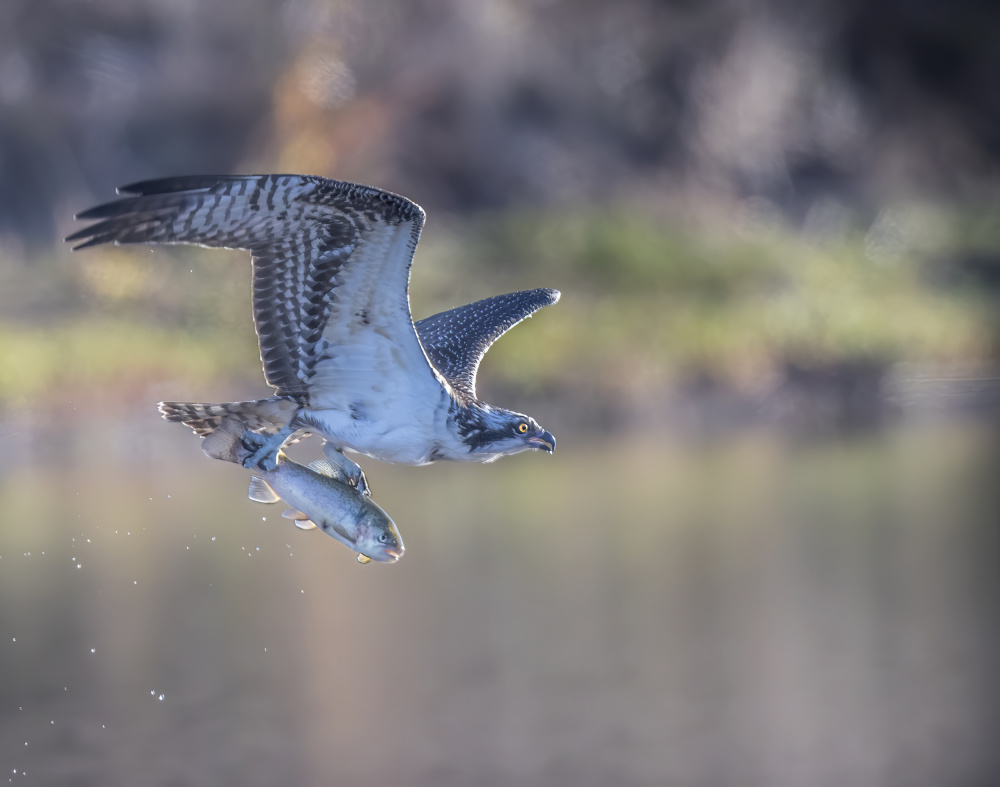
{"type": "Point", "coordinates": [331, 268]}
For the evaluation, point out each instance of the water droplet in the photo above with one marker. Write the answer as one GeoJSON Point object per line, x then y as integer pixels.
{"type": "Point", "coordinates": [93, 650]}
{"type": "Point", "coordinates": [135, 582]}
{"type": "Point", "coordinates": [152, 694]}
{"type": "Point", "coordinates": [364, 559]}
{"type": "Point", "coordinates": [213, 538]}
{"type": "Point", "coordinates": [79, 565]}
{"type": "Point", "coordinates": [160, 698]}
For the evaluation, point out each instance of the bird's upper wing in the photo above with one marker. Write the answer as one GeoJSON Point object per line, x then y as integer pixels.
{"type": "Point", "coordinates": [456, 340]}
{"type": "Point", "coordinates": [331, 267]}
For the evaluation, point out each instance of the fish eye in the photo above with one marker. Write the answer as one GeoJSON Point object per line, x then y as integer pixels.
{"type": "Point", "coordinates": [522, 427]}
{"type": "Point", "coordinates": [383, 538]}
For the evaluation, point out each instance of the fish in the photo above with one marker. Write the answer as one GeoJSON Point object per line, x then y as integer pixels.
{"type": "Point", "coordinates": [319, 494]}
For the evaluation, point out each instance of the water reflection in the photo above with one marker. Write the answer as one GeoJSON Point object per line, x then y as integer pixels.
{"type": "Point", "coordinates": [751, 612]}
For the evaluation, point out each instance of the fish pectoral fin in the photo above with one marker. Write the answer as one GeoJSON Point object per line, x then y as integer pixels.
{"type": "Point", "coordinates": [305, 524]}
{"type": "Point", "coordinates": [260, 492]}
{"type": "Point", "coordinates": [340, 530]}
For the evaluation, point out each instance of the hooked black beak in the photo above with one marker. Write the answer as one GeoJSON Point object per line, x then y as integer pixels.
{"type": "Point", "coordinates": [544, 440]}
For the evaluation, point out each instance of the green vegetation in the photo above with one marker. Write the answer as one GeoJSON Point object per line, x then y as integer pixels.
{"type": "Point", "coordinates": [654, 299]}
{"type": "Point", "coordinates": [109, 357]}
{"type": "Point", "coordinates": [644, 301]}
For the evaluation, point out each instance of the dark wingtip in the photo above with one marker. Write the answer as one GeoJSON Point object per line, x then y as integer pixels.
{"type": "Point", "coordinates": [144, 188]}
{"type": "Point", "coordinates": [545, 296]}
{"type": "Point", "coordinates": [87, 244]}
{"type": "Point", "coordinates": [88, 238]}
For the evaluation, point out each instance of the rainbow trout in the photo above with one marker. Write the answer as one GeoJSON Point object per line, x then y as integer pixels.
{"type": "Point", "coordinates": [319, 496]}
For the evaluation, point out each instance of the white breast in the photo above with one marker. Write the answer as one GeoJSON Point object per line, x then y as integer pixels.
{"type": "Point", "coordinates": [393, 427]}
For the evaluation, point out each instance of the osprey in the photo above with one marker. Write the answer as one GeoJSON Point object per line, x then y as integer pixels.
{"type": "Point", "coordinates": [331, 268]}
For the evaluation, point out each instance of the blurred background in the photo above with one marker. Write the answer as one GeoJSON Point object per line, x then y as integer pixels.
{"type": "Point", "coordinates": [766, 550]}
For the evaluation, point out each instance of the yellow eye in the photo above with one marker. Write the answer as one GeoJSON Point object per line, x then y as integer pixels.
{"type": "Point", "coordinates": [522, 428]}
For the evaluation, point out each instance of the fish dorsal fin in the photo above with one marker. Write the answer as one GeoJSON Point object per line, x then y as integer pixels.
{"type": "Point", "coordinates": [260, 492]}
{"type": "Point", "coordinates": [305, 524]}
{"type": "Point", "coordinates": [329, 469]}
{"type": "Point", "coordinates": [293, 513]}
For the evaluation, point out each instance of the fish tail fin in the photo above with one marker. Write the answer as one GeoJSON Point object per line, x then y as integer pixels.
{"type": "Point", "coordinates": [260, 415]}
{"type": "Point", "coordinates": [225, 441]}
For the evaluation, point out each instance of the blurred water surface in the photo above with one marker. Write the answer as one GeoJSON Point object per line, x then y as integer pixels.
{"type": "Point", "coordinates": [757, 610]}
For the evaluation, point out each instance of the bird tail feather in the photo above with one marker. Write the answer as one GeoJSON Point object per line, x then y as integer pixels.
{"type": "Point", "coordinates": [260, 415]}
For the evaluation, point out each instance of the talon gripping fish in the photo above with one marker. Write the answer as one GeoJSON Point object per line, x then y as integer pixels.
{"type": "Point", "coordinates": [319, 495]}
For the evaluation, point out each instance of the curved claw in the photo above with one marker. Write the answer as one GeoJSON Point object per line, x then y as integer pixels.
{"type": "Point", "coordinates": [264, 449]}
{"type": "Point", "coordinates": [262, 459]}
{"type": "Point", "coordinates": [352, 470]}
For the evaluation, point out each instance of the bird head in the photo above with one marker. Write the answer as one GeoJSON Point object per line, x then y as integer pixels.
{"type": "Point", "coordinates": [493, 430]}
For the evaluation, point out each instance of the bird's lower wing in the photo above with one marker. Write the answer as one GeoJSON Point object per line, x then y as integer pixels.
{"type": "Point", "coordinates": [456, 340]}
{"type": "Point", "coordinates": [368, 351]}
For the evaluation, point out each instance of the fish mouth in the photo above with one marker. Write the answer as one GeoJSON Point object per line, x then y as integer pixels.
{"type": "Point", "coordinates": [393, 554]}
{"type": "Point", "coordinates": [544, 441]}
{"type": "Point", "coordinates": [384, 554]}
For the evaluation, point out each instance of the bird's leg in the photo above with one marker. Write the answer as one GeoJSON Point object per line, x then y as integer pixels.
{"type": "Point", "coordinates": [355, 475]}
{"type": "Point", "coordinates": [265, 447]}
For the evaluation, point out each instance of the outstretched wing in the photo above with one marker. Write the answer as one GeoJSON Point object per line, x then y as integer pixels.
{"type": "Point", "coordinates": [331, 267]}
{"type": "Point", "coordinates": [456, 340]}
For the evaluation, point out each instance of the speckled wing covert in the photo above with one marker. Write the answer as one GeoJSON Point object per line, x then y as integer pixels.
{"type": "Point", "coordinates": [456, 340]}
{"type": "Point", "coordinates": [331, 266]}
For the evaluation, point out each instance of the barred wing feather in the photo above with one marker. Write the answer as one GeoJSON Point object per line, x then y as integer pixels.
{"type": "Point", "coordinates": [331, 264]}
{"type": "Point", "coordinates": [456, 340]}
